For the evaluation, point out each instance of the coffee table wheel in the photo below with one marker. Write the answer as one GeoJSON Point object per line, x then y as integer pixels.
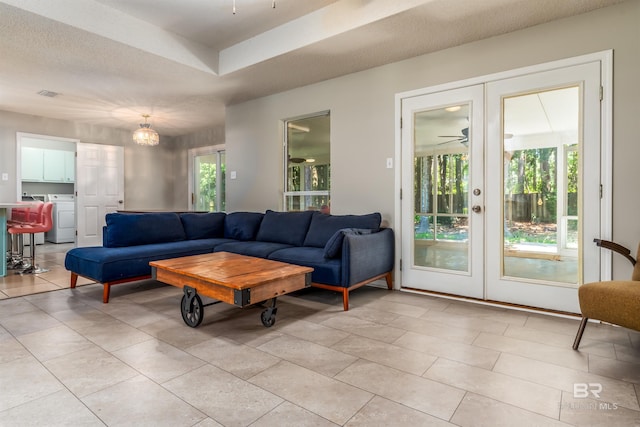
{"type": "Point", "coordinates": [268, 318]}
{"type": "Point", "coordinates": [192, 310]}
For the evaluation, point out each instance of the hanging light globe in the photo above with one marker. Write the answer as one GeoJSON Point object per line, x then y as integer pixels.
{"type": "Point", "coordinates": [145, 135]}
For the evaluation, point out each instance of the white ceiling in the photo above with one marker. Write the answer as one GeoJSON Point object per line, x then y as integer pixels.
{"type": "Point", "coordinates": [182, 61]}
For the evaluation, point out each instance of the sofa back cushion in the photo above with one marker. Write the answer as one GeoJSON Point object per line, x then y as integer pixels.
{"type": "Point", "coordinates": [324, 226]}
{"type": "Point", "coordinates": [132, 229]}
{"type": "Point", "coordinates": [285, 227]}
{"type": "Point", "coordinates": [242, 225]}
{"type": "Point", "coordinates": [203, 225]}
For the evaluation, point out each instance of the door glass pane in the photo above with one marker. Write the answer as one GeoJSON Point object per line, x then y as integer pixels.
{"type": "Point", "coordinates": [209, 178]}
{"type": "Point", "coordinates": [308, 169]}
{"type": "Point", "coordinates": [541, 176]}
{"type": "Point", "coordinates": [441, 188]}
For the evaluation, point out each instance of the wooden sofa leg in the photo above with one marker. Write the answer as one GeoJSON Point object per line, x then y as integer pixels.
{"type": "Point", "coordinates": [74, 280]}
{"type": "Point", "coordinates": [583, 325]}
{"type": "Point", "coordinates": [389, 278]}
{"type": "Point", "coordinates": [105, 292]}
{"type": "Point", "coordinates": [345, 299]}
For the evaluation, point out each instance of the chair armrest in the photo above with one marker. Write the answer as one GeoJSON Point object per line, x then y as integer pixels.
{"type": "Point", "coordinates": [625, 252]}
{"type": "Point", "coordinates": [367, 255]}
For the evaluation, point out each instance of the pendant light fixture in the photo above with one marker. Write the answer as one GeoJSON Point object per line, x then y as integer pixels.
{"type": "Point", "coordinates": [145, 135]}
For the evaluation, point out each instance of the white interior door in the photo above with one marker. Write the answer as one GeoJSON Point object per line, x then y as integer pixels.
{"type": "Point", "coordinates": [543, 186]}
{"type": "Point", "coordinates": [443, 192]}
{"type": "Point", "coordinates": [99, 189]}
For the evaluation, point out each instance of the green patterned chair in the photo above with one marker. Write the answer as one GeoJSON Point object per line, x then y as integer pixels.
{"type": "Point", "coordinates": [613, 301]}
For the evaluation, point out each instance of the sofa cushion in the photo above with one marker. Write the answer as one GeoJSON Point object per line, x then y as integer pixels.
{"type": "Point", "coordinates": [203, 225]}
{"type": "Point", "coordinates": [253, 248]}
{"type": "Point", "coordinates": [132, 229]}
{"type": "Point", "coordinates": [242, 225]}
{"type": "Point", "coordinates": [289, 228]}
{"type": "Point", "coordinates": [327, 271]}
{"type": "Point", "coordinates": [110, 264]}
{"type": "Point", "coordinates": [333, 248]}
{"type": "Point", "coordinates": [324, 226]}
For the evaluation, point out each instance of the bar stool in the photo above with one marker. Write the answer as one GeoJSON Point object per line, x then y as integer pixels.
{"type": "Point", "coordinates": [44, 224]}
{"type": "Point", "coordinates": [19, 217]}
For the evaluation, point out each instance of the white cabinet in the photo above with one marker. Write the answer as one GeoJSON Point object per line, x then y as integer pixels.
{"type": "Point", "coordinates": [32, 164]}
{"type": "Point", "coordinates": [46, 165]}
{"type": "Point", "coordinates": [69, 166]}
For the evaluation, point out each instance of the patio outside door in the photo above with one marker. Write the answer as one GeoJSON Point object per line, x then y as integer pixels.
{"type": "Point", "coordinates": [442, 182]}
{"type": "Point", "coordinates": [508, 214]}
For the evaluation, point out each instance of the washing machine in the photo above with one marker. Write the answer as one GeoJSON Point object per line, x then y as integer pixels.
{"type": "Point", "coordinates": [63, 229]}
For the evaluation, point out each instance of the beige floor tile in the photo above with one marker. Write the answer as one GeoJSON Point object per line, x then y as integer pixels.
{"type": "Point", "coordinates": [238, 359]}
{"type": "Point", "coordinates": [504, 388]}
{"type": "Point", "coordinates": [26, 323]}
{"type": "Point", "coordinates": [289, 415]}
{"type": "Point", "coordinates": [614, 391]}
{"type": "Point", "coordinates": [560, 340]}
{"type": "Point", "coordinates": [313, 332]}
{"type": "Point", "coordinates": [53, 302]}
{"type": "Point", "coordinates": [327, 397]}
{"type": "Point", "coordinates": [3, 295]}
{"type": "Point", "coordinates": [82, 317]}
{"type": "Point", "coordinates": [57, 409]}
{"type": "Point", "coordinates": [223, 396]}
{"type": "Point", "coordinates": [176, 333]}
{"type": "Point", "coordinates": [439, 347]}
{"type": "Point", "coordinates": [480, 411]}
{"type": "Point", "coordinates": [393, 356]}
{"type": "Point", "coordinates": [364, 328]}
{"type": "Point", "coordinates": [24, 380]}
{"type": "Point", "coordinates": [312, 356]}
{"type": "Point", "coordinates": [381, 412]}
{"type": "Point", "coordinates": [87, 371]}
{"type": "Point", "coordinates": [431, 397]}
{"type": "Point", "coordinates": [30, 289]}
{"type": "Point", "coordinates": [54, 342]}
{"type": "Point", "coordinates": [10, 308]}
{"type": "Point", "coordinates": [471, 323]}
{"type": "Point", "coordinates": [113, 335]}
{"type": "Point", "coordinates": [208, 422]}
{"type": "Point", "coordinates": [132, 313]}
{"type": "Point", "coordinates": [139, 401]}
{"type": "Point", "coordinates": [625, 353]}
{"type": "Point", "coordinates": [546, 353]}
{"type": "Point", "coordinates": [418, 299]}
{"type": "Point", "coordinates": [10, 348]}
{"type": "Point", "coordinates": [158, 360]}
{"type": "Point", "coordinates": [435, 329]}
{"type": "Point", "coordinates": [409, 310]}
{"type": "Point", "coordinates": [625, 371]}
{"type": "Point", "coordinates": [372, 313]}
{"type": "Point", "coordinates": [589, 412]}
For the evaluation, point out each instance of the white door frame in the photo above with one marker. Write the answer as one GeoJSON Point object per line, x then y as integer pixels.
{"type": "Point", "coordinates": [606, 137]}
{"type": "Point", "coordinates": [192, 154]}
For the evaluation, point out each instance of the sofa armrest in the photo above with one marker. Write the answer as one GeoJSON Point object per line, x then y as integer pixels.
{"type": "Point", "coordinates": [367, 255]}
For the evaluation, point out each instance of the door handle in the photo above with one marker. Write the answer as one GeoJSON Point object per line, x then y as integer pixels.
{"type": "Point", "coordinates": [476, 208]}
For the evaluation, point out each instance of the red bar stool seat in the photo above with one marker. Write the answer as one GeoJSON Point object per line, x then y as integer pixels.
{"type": "Point", "coordinates": [43, 224]}
{"type": "Point", "coordinates": [29, 214]}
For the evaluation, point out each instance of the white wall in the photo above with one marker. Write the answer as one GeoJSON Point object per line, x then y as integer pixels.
{"type": "Point", "coordinates": [362, 116]}
{"type": "Point", "coordinates": [149, 182]}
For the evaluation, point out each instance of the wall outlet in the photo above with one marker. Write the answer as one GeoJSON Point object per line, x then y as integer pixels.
{"type": "Point", "coordinates": [389, 163]}
{"type": "Point", "coordinates": [5, 176]}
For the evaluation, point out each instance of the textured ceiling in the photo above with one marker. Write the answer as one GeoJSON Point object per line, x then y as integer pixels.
{"type": "Point", "coordinates": [183, 61]}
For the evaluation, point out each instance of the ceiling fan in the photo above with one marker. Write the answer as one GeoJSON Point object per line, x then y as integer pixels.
{"type": "Point", "coordinates": [462, 139]}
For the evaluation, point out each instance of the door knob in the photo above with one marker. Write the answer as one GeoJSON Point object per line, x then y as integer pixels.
{"type": "Point", "coordinates": [121, 201]}
{"type": "Point", "coordinates": [476, 208]}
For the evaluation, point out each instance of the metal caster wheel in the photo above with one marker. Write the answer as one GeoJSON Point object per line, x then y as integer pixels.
{"type": "Point", "coordinates": [268, 318]}
{"type": "Point", "coordinates": [192, 309]}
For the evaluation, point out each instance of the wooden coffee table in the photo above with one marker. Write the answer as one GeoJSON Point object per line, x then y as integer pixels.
{"type": "Point", "coordinates": [231, 278]}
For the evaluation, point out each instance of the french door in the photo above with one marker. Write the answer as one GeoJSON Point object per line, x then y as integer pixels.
{"type": "Point", "coordinates": [501, 184]}
{"type": "Point", "coordinates": [207, 183]}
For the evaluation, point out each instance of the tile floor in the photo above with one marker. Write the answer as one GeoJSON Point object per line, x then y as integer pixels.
{"type": "Point", "coordinates": [395, 358]}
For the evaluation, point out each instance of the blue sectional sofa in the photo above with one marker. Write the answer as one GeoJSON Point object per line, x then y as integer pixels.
{"type": "Point", "coordinates": [345, 251]}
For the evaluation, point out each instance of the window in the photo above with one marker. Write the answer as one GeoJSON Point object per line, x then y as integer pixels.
{"type": "Point", "coordinates": [307, 165]}
{"type": "Point", "coordinates": [207, 169]}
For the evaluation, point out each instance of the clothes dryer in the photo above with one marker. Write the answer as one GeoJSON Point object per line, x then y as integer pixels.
{"type": "Point", "coordinates": [63, 229]}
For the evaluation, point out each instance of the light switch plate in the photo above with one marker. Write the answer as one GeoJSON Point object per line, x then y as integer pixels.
{"type": "Point", "coordinates": [389, 163]}
{"type": "Point", "coordinates": [5, 176]}
{"type": "Point", "coordinates": [233, 175]}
